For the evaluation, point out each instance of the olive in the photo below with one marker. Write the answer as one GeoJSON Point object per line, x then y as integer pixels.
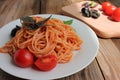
{"type": "Point", "coordinates": [95, 14]}
{"type": "Point", "coordinates": [90, 13]}
{"type": "Point", "coordinates": [14, 30]}
{"type": "Point", "coordinates": [86, 12]}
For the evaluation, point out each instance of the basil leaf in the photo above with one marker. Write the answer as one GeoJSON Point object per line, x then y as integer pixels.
{"type": "Point", "coordinates": [27, 19]}
{"type": "Point", "coordinates": [30, 23]}
{"type": "Point", "coordinates": [69, 22]}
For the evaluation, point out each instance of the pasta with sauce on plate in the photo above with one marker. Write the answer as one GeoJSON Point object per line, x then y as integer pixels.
{"type": "Point", "coordinates": [55, 38]}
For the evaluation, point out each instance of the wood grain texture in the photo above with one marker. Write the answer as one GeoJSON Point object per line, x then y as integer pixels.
{"type": "Point", "coordinates": [54, 6]}
{"type": "Point", "coordinates": [109, 57]}
{"type": "Point", "coordinates": [11, 10]}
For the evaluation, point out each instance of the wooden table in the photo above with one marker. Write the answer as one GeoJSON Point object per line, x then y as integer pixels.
{"type": "Point", "coordinates": [106, 65]}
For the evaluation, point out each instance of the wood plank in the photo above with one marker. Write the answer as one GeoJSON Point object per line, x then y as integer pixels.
{"type": "Point", "coordinates": [54, 6]}
{"type": "Point", "coordinates": [11, 10]}
{"type": "Point", "coordinates": [109, 58]}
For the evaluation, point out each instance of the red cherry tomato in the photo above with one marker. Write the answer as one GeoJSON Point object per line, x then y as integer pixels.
{"type": "Point", "coordinates": [46, 63]}
{"type": "Point", "coordinates": [116, 15]}
{"type": "Point", "coordinates": [23, 58]}
{"type": "Point", "coordinates": [109, 11]}
{"type": "Point", "coordinates": [108, 8]}
{"type": "Point", "coordinates": [105, 5]}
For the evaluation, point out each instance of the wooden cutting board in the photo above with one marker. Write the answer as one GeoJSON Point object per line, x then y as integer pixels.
{"type": "Point", "coordinates": [103, 26]}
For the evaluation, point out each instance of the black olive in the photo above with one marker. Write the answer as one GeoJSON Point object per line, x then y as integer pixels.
{"type": "Point", "coordinates": [14, 30]}
{"type": "Point", "coordinates": [95, 14]}
{"type": "Point", "coordinates": [90, 13]}
{"type": "Point", "coordinates": [86, 12]}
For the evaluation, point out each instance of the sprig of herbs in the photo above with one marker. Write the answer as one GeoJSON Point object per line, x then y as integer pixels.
{"type": "Point", "coordinates": [30, 23]}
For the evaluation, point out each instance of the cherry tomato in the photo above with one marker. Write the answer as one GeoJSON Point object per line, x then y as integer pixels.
{"type": "Point", "coordinates": [116, 15]}
{"type": "Point", "coordinates": [23, 58]}
{"type": "Point", "coordinates": [105, 5]}
{"type": "Point", "coordinates": [109, 11]}
{"type": "Point", "coordinates": [46, 63]}
{"type": "Point", "coordinates": [108, 8]}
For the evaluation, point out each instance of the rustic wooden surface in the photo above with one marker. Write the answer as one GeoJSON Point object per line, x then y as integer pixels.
{"type": "Point", "coordinates": [106, 65]}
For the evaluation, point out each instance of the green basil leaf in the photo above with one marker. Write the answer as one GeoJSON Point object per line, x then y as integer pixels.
{"type": "Point", "coordinates": [69, 22]}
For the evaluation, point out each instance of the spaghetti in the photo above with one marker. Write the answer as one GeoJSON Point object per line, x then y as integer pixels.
{"type": "Point", "coordinates": [55, 38]}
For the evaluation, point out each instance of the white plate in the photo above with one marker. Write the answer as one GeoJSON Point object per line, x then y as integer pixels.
{"type": "Point", "coordinates": [80, 60]}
